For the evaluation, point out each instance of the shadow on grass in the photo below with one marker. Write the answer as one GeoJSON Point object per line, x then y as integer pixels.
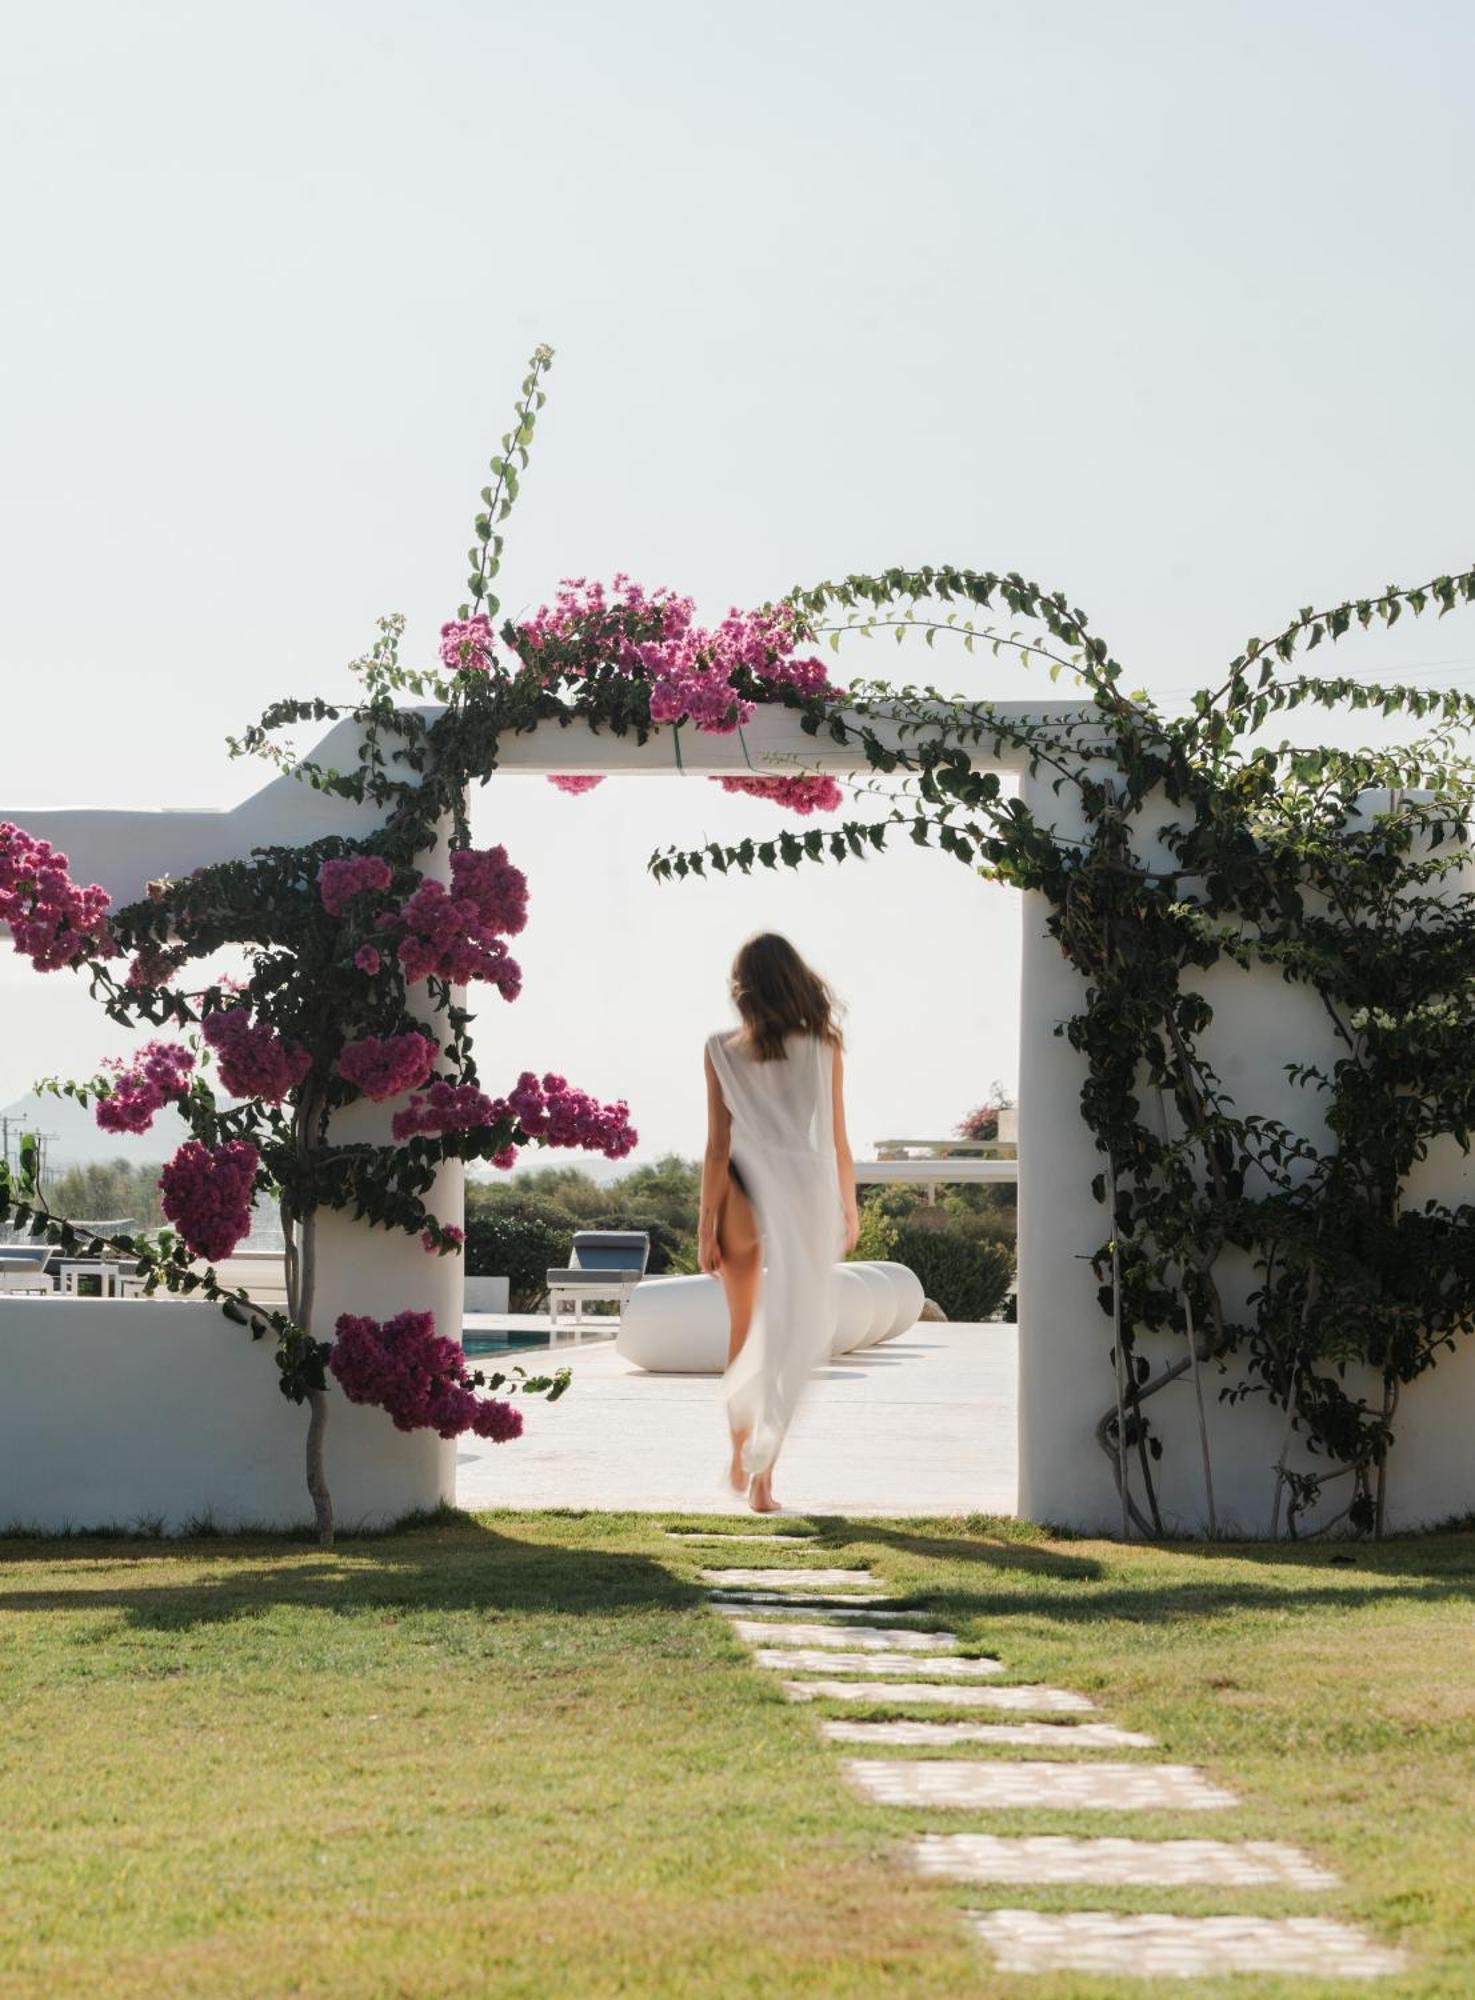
{"type": "Point", "coordinates": [450, 1563]}
{"type": "Point", "coordinates": [1418, 1569]}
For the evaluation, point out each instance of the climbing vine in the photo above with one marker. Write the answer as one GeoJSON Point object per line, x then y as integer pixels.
{"type": "Point", "coordinates": [1175, 843]}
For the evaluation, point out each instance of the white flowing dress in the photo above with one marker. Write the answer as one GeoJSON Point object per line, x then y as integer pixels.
{"type": "Point", "coordinates": [783, 1144]}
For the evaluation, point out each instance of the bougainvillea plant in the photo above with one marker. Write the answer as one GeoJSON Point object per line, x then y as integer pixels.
{"type": "Point", "coordinates": [1346, 871]}
{"type": "Point", "coordinates": [358, 952]}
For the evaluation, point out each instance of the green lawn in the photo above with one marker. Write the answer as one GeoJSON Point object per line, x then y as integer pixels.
{"type": "Point", "coordinates": [515, 1756]}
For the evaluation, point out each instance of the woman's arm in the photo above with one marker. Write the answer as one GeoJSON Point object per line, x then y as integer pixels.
{"type": "Point", "coordinates": [843, 1157]}
{"type": "Point", "coordinates": [714, 1169]}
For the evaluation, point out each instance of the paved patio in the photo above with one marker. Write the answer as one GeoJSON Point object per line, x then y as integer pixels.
{"type": "Point", "coordinates": [923, 1425]}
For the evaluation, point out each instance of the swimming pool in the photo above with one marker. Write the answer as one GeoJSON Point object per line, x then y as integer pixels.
{"type": "Point", "coordinates": [519, 1340]}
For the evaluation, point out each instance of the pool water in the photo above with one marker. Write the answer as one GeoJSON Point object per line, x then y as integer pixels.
{"type": "Point", "coordinates": [519, 1341]}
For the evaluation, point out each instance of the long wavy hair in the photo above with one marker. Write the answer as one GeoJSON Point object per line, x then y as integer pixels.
{"type": "Point", "coordinates": [778, 995]}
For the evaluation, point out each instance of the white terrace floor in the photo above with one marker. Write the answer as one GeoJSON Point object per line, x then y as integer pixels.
{"type": "Point", "coordinates": [923, 1425]}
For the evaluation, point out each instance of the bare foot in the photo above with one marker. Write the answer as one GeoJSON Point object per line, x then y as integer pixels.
{"type": "Point", "coordinates": [737, 1478]}
{"type": "Point", "coordinates": [760, 1496]}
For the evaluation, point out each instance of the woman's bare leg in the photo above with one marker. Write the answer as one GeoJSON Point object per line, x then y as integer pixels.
{"type": "Point", "coordinates": [740, 1270]}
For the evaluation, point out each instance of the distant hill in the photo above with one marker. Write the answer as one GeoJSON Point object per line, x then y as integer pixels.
{"type": "Point", "coordinates": [76, 1142]}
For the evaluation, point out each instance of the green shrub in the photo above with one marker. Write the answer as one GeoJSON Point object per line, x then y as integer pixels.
{"type": "Point", "coordinates": [523, 1239]}
{"type": "Point", "coordinates": [520, 1244]}
{"type": "Point", "coordinates": [968, 1276]}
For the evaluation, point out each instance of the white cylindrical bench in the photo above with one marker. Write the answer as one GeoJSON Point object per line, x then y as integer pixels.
{"type": "Point", "coordinates": [679, 1326]}
{"type": "Point", "coordinates": [909, 1297]}
{"type": "Point", "coordinates": [883, 1302]}
{"type": "Point", "coordinates": [853, 1310]}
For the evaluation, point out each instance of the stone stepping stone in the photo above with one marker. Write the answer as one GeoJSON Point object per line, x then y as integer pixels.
{"type": "Point", "coordinates": [872, 1602]}
{"type": "Point", "coordinates": [1180, 1947]}
{"type": "Point", "coordinates": [815, 1660]}
{"type": "Point", "coordinates": [1043, 1787]}
{"type": "Point", "coordinates": [1038, 1735]}
{"type": "Point", "coordinates": [749, 1541]}
{"type": "Point", "coordinates": [1042, 1700]}
{"type": "Point", "coordinates": [791, 1579]}
{"type": "Point", "coordinates": [827, 1610]}
{"type": "Point", "coordinates": [1147, 1864]}
{"type": "Point", "coordinates": [858, 1638]}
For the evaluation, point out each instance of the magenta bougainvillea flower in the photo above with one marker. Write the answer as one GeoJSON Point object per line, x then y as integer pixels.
{"type": "Point", "coordinates": [53, 921]}
{"type": "Point", "coordinates": [799, 794]}
{"type": "Point", "coordinates": [693, 671]}
{"type": "Point", "coordinates": [409, 1370]}
{"type": "Point", "coordinates": [466, 644]}
{"type": "Point", "coordinates": [159, 1073]}
{"type": "Point", "coordinates": [206, 1194]}
{"type": "Point", "coordinates": [253, 1059]}
{"type": "Point", "coordinates": [384, 1066]}
{"type": "Point", "coordinates": [339, 881]}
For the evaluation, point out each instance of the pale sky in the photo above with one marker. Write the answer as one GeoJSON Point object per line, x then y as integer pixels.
{"type": "Point", "coordinates": [1168, 305]}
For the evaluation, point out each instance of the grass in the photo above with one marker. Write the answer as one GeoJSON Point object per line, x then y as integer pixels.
{"type": "Point", "coordinates": [516, 1756]}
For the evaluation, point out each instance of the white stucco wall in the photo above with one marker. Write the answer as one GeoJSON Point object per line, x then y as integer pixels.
{"type": "Point", "coordinates": [123, 1411]}
{"type": "Point", "coordinates": [87, 1464]}
{"type": "Point", "coordinates": [1065, 1374]}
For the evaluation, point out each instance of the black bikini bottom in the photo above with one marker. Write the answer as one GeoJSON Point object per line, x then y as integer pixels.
{"type": "Point", "coordinates": [735, 1175]}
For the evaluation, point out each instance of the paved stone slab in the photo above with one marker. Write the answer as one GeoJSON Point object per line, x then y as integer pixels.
{"type": "Point", "coordinates": [1180, 1947]}
{"type": "Point", "coordinates": [858, 1638]}
{"type": "Point", "coordinates": [791, 1579]}
{"type": "Point", "coordinates": [1047, 1787]}
{"type": "Point", "coordinates": [1042, 1700]}
{"type": "Point", "coordinates": [925, 1425]}
{"type": "Point", "coordinates": [1148, 1864]}
{"type": "Point", "coordinates": [810, 1600]}
{"type": "Point", "coordinates": [748, 1541]}
{"type": "Point", "coordinates": [815, 1660]}
{"type": "Point", "coordinates": [827, 1610]}
{"type": "Point", "coordinates": [1039, 1735]}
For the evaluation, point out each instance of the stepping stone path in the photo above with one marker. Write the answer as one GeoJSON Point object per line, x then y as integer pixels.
{"type": "Point", "coordinates": [1053, 1787]}
{"type": "Point", "coordinates": [1046, 1700]}
{"type": "Point", "coordinates": [1182, 1947]}
{"type": "Point", "coordinates": [873, 1602]}
{"type": "Point", "coordinates": [791, 1579]}
{"type": "Point", "coordinates": [1148, 1864]}
{"type": "Point", "coordinates": [804, 1660]}
{"type": "Point", "coordinates": [1039, 1735]}
{"type": "Point", "coordinates": [837, 1611]}
{"type": "Point", "coordinates": [859, 1638]}
{"type": "Point", "coordinates": [748, 1541]}
{"type": "Point", "coordinates": [856, 1662]}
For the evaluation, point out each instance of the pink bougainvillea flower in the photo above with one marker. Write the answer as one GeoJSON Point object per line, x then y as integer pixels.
{"type": "Point", "coordinates": [253, 1059]}
{"type": "Point", "coordinates": [409, 1370]}
{"type": "Point", "coordinates": [466, 644]}
{"type": "Point", "coordinates": [384, 1066]}
{"type": "Point", "coordinates": [551, 1110]}
{"type": "Point", "coordinates": [341, 880]}
{"type": "Point", "coordinates": [799, 794]}
{"type": "Point", "coordinates": [456, 934]}
{"type": "Point", "coordinates": [153, 965]}
{"type": "Point", "coordinates": [158, 1073]}
{"type": "Point", "coordinates": [708, 677]}
{"type": "Point", "coordinates": [52, 920]}
{"type": "Point", "coordinates": [574, 782]}
{"type": "Point", "coordinates": [206, 1194]}
{"type": "Point", "coordinates": [448, 1107]}
{"type": "Point", "coordinates": [452, 1237]}
{"type": "Point", "coordinates": [367, 959]}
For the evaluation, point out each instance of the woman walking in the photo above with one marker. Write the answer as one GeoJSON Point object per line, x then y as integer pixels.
{"type": "Point", "coordinates": [778, 1196]}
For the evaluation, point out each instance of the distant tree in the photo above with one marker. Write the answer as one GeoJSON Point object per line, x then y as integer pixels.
{"type": "Point", "coordinates": [122, 1191]}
